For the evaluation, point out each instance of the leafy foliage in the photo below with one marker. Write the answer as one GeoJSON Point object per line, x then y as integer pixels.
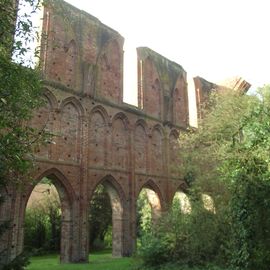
{"type": "Point", "coordinates": [43, 223]}
{"type": "Point", "coordinates": [227, 157]}
{"type": "Point", "coordinates": [100, 219]}
{"type": "Point", "coordinates": [20, 94]}
{"type": "Point", "coordinates": [144, 214]}
{"type": "Point", "coordinates": [248, 172]}
{"type": "Point", "coordinates": [20, 91]}
{"type": "Point", "coordinates": [193, 239]}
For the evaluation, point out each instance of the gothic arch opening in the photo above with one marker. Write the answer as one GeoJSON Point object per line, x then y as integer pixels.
{"type": "Point", "coordinates": [174, 154]}
{"type": "Point", "coordinates": [42, 120]}
{"type": "Point", "coordinates": [70, 130]}
{"type": "Point", "coordinates": [106, 211]}
{"type": "Point", "coordinates": [97, 139]}
{"type": "Point", "coordinates": [156, 156]}
{"type": "Point", "coordinates": [110, 72]}
{"type": "Point", "coordinates": [181, 202]}
{"type": "Point", "coordinates": [140, 148]}
{"type": "Point", "coordinates": [47, 216]}
{"type": "Point", "coordinates": [208, 203]}
{"type": "Point", "coordinates": [151, 89]}
{"type": "Point", "coordinates": [71, 55]}
{"type": "Point", "coordinates": [179, 102]}
{"type": "Point", "coordinates": [120, 142]}
{"type": "Point", "coordinates": [148, 209]}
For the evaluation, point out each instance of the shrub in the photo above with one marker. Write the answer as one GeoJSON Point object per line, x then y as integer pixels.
{"type": "Point", "coordinates": [194, 239]}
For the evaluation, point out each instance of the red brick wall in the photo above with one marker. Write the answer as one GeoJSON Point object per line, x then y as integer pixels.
{"type": "Point", "coordinates": [98, 138]}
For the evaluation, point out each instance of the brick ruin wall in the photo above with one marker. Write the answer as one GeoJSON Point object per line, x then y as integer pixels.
{"type": "Point", "coordinates": [98, 138]}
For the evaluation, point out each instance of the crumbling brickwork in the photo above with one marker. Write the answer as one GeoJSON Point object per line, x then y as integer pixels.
{"type": "Point", "coordinates": [98, 138]}
{"type": "Point", "coordinates": [204, 88]}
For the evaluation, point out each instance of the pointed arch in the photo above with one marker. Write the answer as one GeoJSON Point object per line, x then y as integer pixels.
{"type": "Point", "coordinates": [120, 141]}
{"type": "Point", "coordinates": [150, 184]}
{"type": "Point", "coordinates": [140, 145]}
{"type": "Point", "coordinates": [123, 117]}
{"type": "Point", "coordinates": [51, 98]}
{"type": "Point", "coordinates": [156, 150]}
{"type": "Point", "coordinates": [104, 62]}
{"type": "Point", "coordinates": [180, 197]}
{"type": "Point", "coordinates": [158, 128]}
{"type": "Point", "coordinates": [102, 111]}
{"type": "Point", "coordinates": [118, 201]}
{"type": "Point", "coordinates": [154, 198]}
{"type": "Point", "coordinates": [71, 54]}
{"type": "Point", "coordinates": [110, 64]}
{"type": "Point", "coordinates": [152, 102]}
{"type": "Point", "coordinates": [75, 102]}
{"type": "Point", "coordinates": [70, 130]}
{"type": "Point", "coordinates": [141, 122]}
{"type": "Point", "coordinates": [107, 46]}
{"type": "Point", "coordinates": [98, 138]}
{"type": "Point", "coordinates": [208, 203]}
{"type": "Point", "coordinates": [175, 133]}
{"type": "Point", "coordinates": [67, 198]}
{"type": "Point", "coordinates": [174, 153]}
{"type": "Point", "coordinates": [59, 179]}
{"type": "Point", "coordinates": [43, 120]}
{"type": "Point", "coordinates": [180, 101]}
{"type": "Point", "coordinates": [110, 180]}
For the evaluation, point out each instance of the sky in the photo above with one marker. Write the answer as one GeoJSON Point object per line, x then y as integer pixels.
{"type": "Point", "coordinates": [214, 39]}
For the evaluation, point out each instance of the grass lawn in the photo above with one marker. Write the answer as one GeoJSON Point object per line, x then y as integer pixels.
{"type": "Point", "coordinates": [97, 261]}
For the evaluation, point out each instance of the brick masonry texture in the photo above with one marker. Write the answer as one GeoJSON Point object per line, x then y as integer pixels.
{"type": "Point", "coordinates": [98, 138]}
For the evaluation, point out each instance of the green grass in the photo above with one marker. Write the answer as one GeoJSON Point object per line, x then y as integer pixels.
{"type": "Point", "coordinates": [97, 261]}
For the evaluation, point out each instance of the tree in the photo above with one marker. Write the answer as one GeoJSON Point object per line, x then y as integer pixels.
{"type": "Point", "coordinates": [247, 173]}
{"type": "Point", "coordinates": [43, 220]}
{"type": "Point", "coordinates": [20, 94]}
{"type": "Point", "coordinates": [100, 217]}
{"type": "Point", "coordinates": [227, 157]}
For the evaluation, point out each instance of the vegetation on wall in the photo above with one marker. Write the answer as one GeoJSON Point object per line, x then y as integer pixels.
{"type": "Point", "coordinates": [227, 158]}
{"type": "Point", "coordinates": [20, 94]}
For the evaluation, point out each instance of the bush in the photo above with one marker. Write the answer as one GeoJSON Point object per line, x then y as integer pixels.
{"type": "Point", "coordinates": [19, 263]}
{"type": "Point", "coordinates": [43, 223]}
{"type": "Point", "coordinates": [100, 220]}
{"type": "Point", "coordinates": [194, 239]}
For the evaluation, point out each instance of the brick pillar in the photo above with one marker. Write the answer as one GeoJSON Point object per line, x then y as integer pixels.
{"type": "Point", "coordinates": [117, 221]}
{"type": "Point", "coordinates": [7, 215]}
{"type": "Point", "coordinates": [166, 159]}
{"type": "Point", "coordinates": [54, 154]}
{"type": "Point", "coordinates": [117, 235]}
{"type": "Point", "coordinates": [16, 225]}
{"type": "Point", "coordinates": [84, 203]}
{"type": "Point", "coordinates": [131, 237]}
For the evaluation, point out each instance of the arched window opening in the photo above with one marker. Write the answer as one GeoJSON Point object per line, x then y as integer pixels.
{"type": "Point", "coordinates": [43, 215]}
{"type": "Point", "coordinates": [106, 220]}
{"type": "Point", "coordinates": [100, 220]}
{"type": "Point", "coordinates": [148, 211]}
{"type": "Point", "coordinates": [208, 203]}
{"type": "Point", "coordinates": [181, 202]}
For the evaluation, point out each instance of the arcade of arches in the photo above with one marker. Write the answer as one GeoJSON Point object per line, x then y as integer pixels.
{"type": "Point", "coordinates": [98, 138]}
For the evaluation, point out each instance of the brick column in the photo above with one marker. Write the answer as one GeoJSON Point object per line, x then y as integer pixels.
{"type": "Point", "coordinates": [83, 200]}
{"type": "Point", "coordinates": [130, 237]}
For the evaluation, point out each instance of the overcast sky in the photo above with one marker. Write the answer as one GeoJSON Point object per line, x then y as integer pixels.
{"type": "Point", "coordinates": [214, 39]}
